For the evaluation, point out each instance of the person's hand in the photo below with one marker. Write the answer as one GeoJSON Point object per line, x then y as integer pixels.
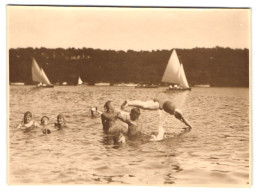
{"type": "Point", "coordinates": [125, 104]}
{"type": "Point", "coordinates": [187, 128]}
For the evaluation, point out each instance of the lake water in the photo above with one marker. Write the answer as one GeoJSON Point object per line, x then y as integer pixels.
{"type": "Point", "coordinates": [215, 152]}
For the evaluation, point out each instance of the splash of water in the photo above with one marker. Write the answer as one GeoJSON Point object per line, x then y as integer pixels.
{"type": "Point", "coordinates": [161, 130]}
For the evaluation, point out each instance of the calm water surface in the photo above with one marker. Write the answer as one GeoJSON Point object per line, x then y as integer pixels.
{"type": "Point", "coordinates": [215, 152]}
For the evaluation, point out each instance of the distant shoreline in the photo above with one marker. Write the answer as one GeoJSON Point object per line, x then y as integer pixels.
{"type": "Point", "coordinates": [214, 66]}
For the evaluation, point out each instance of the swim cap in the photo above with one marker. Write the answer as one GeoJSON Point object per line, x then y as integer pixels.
{"type": "Point", "coordinates": [168, 107]}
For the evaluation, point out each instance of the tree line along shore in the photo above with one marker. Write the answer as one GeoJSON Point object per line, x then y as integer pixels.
{"type": "Point", "coordinates": [217, 67]}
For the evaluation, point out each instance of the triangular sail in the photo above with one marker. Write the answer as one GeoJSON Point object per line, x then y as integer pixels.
{"type": "Point", "coordinates": [174, 72]}
{"type": "Point", "coordinates": [171, 74]}
{"type": "Point", "coordinates": [183, 81]}
{"type": "Point", "coordinates": [38, 74]}
{"type": "Point", "coordinates": [45, 77]}
{"type": "Point", "coordinates": [79, 81]}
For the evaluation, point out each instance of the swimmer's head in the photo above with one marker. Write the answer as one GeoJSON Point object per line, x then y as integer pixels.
{"type": "Point", "coordinates": [44, 120]}
{"type": "Point", "coordinates": [60, 119]}
{"type": "Point", "coordinates": [169, 107]}
{"type": "Point", "coordinates": [108, 106]}
{"type": "Point", "coordinates": [27, 117]}
{"type": "Point", "coordinates": [135, 113]}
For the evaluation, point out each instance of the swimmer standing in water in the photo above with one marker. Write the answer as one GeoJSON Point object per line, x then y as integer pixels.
{"type": "Point", "coordinates": [109, 120]}
{"type": "Point", "coordinates": [134, 125]}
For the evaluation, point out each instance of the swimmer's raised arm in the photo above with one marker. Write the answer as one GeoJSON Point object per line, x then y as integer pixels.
{"type": "Point", "coordinates": [99, 112]}
{"type": "Point", "coordinates": [124, 119]}
{"type": "Point", "coordinates": [120, 117]}
{"type": "Point", "coordinates": [123, 113]}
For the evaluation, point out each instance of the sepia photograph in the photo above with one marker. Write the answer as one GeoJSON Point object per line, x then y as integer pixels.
{"type": "Point", "coordinates": [129, 95]}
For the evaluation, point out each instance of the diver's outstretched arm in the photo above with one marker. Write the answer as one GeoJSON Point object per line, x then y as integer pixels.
{"type": "Point", "coordinates": [185, 121]}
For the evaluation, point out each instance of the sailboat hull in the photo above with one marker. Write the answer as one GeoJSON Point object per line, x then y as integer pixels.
{"type": "Point", "coordinates": [175, 89]}
{"type": "Point", "coordinates": [47, 86]}
{"type": "Point", "coordinates": [154, 86]}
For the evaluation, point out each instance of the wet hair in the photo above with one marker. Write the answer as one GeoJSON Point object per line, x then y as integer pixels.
{"type": "Point", "coordinates": [107, 105]}
{"type": "Point", "coordinates": [169, 107]}
{"type": "Point", "coordinates": [41, 120]}
{"type": "Point", "coordinates": [27, 113]}
{"type": "Point", "coordinates": [136, 112]}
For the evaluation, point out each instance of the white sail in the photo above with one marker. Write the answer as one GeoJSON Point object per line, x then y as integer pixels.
{"type": "Point", "coordinates": [183, 81]}
{"type": "Point", "coordinates": [79, 81]}
{"type": "Point", "coordinates": [45, 78]}
{"type": "Point", "coordinates": [38, 74]}
{"type": "Point", "coordinates": [174, 72]}
{"type": "Point", "coordinates": [171, 74]}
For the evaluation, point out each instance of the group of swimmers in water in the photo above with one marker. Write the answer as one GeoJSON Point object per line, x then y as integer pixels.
{"type": "Point", "coordinates": [28, 123]}
{"type": "Point", "coordinates": [129, 127]}
{"type": "Point", "coordinates": [133, 129]}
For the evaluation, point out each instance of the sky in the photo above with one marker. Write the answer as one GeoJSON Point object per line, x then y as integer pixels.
{"type": "Point", "coordinates": [127, 28]}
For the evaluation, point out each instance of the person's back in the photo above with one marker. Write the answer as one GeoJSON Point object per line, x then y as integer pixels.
{"type": "Point", "coordinates": [108, 120]}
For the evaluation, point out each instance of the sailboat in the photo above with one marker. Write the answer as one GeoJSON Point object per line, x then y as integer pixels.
{"type": "Point", "coordinates": [79, 81]}
{"type": "Point", "coordinates": [175, 74]}
{"type": "Point", "coordinates": [38, 75]}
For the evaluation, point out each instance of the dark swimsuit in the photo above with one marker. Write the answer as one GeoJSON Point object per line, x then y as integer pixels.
{"type": "Point", "coordinates": [165, 105]}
